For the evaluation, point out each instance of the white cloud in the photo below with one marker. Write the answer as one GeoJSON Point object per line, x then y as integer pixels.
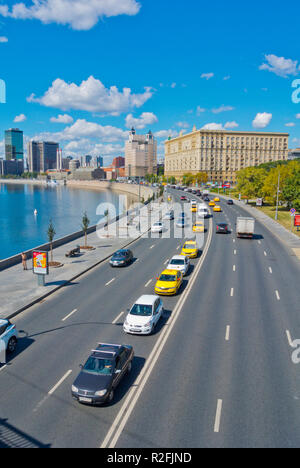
{"type": "Point", "coordinates": [290, 124]}
{"type": "Point", "coordinates": [200, 110]}
{"type": "Point", "coordinates": [262, 120]}
{"type": "Point", "coordinates": [207, 76]}
{"type": "Point", "coordinates": [222, 109]}
{"type": "Point", "coordinates": [3, 39]}
{"type": "Point", "coordinates": [147, 118]}
{"type": "Point", "coordinates": [280, 66]}
{"type": "Point", "coordinates": [65, 119]}
{"type": "Point", "coordinates": [231, 125]}
{"type": "Point", "coordinates": [166, 134]}
{"type": "Point", "coordinates": [173, 85]}
{"type": "Point", "coordinates": [91, 95]}
{"type": "Point", "coordinates": [183, 124]}
{"type": "Point", "coordinates": [78, 14]}
{"type": "Point", "coordinates": [20, 118]}
{"type": "Point", "coordinates": [298, 116]}
{"type": "Point", "coordinates": [213, 126]}
{"type": "Point", "coordinates": [226, 78]}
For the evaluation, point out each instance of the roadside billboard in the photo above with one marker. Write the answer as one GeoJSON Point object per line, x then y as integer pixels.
{"type": "Point", "coordinates": [40, 263]}
{"type": "Point", "coordinates": [297, 220]}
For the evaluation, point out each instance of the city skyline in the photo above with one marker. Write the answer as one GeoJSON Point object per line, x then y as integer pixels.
{"type": "Point", "coordinates": [206, 76]}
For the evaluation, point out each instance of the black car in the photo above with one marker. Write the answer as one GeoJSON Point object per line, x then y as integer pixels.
{"type": "Point", "coordinates": [121, 258]}
{"type": "Point", "coordinates": [222, 228]}
{"type": "Point", "coordinates": [229, 202]}
{"type": "Point", "coordinates": [102, 373]}
{"type": "Point", "coordinates": [206, 199]}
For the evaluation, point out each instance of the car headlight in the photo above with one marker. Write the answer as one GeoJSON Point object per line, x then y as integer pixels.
{"type": "Point", "coordinates": [101, 393]}
{"type": "Point", "coordinates": [74, 389]}
{"type": "Point", "coordinates": [147, 324]}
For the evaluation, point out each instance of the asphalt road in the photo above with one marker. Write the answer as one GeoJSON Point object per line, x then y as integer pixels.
{"type": "Point", "coordinates": [222, 373]}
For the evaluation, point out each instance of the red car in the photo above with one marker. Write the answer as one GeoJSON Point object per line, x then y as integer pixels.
{"type": "Point", "coordinates": [183, 198]}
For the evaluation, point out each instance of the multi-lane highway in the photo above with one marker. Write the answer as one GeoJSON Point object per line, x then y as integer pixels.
{"type": "Point", "coordinates": [216, 373]}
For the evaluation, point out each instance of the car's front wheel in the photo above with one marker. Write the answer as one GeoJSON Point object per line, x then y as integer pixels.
{"type": "Point", "coordinates": [12, 344]}
{"type": "Point", "coordinates": [110, 396]}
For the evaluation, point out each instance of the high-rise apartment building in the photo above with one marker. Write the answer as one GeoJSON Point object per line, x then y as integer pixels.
{"type": "Point", "coordinates": [222, 153]}
{"type": "Point", "coordinates": [140, 154]}
{"type": "Point", "coordinates": [14, 144]}
{"type": "Point", "coordinates": [42, 155]}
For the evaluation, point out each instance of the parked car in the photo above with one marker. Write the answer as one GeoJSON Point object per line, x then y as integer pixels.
{"type": "Point", "coordinates": [144, 315]}
{"type": "Point", "coordinates": [8, 335]}
{"type": "Point", "coordinates": [121, 258]}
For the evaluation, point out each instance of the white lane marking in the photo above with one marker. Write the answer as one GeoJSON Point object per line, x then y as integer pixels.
{"type": "Point", "coordinates": [233, 268]}
{"type": "Point", "coordinates": [166, 262]}
{"type": "Point", "coordinates": [123, 415]}
{"type": "Point", "coordinates": [233, 240]}
{"type": "Point", "coordinates": [259, 242]}
{"type": "Point", "coordinates": [289, 338]}
{"type": "Point", "coordinates": [277, 295]}
{"type": "Point", "coordinates": [227, 333]}
{"type": "Point", "coordinates": [117, 318]}
{"type": "Point", "coordinates": [232, 292]}
{"type": "Point", "coordinates": [270, 270]}
{"type": "Point", "coordinates": [234, 252]}
{"type": "Point", "coordinates": [111, 281]}
{"type": "Point", "coordinates": [69, 315]}
{"type": "Point", "coordinates": [60, 382]}
{"type": "Point", "coordinates": [152, 246]}
{"type": "Point", "coordinates": [218, 416]}
{"type": "Point", "coordinates": [3, 367]}
{"type": "Point", "coordinates": [265, 253]}
{"type": "Point", "coordinates": [177, 248]}
{"type": "Point", "coordinates": [147, 284]}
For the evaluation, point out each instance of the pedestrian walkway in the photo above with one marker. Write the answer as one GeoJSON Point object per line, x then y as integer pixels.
{"type": "Point", "coordinates": [19, 289]}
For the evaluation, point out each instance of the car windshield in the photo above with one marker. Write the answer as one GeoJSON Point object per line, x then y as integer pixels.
{"type": "Point", "coordinates": [157, 224]}
{"type": "Point", "coordinates": [142, 310]}
{"type": "Point", "coordinates": [177, 262]}
{"type": "Point", "coordinates": [119, 255]}
{"type": "Point", "coordinates": [98, 366]}
{"type": "Point", "coordinates": [167, 278]}
{"type": "Point", "coordinates": [189, 246]}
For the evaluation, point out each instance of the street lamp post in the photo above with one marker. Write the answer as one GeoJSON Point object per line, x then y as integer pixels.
{"type": "Point", "coordinates": [277, 201]}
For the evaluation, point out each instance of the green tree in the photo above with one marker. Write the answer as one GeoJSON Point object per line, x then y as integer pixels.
{"type": "Point", "coordinates": [50, 234]}
{"type": "Point", "coordinates": [250, 182]}
{"type": "Point", "coordinates": [85, 225]}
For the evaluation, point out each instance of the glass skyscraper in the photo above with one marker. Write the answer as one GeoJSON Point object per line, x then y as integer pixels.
{"type": "Point", "coordinates": [14, 144]}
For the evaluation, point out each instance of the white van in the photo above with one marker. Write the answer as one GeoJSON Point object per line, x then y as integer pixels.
{"type": "Point", "coordinates": [203, 211]}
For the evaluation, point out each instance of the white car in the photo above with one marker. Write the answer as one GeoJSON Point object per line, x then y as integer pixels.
{"type": "Point", "coordinates": [157, 227]}
{"type": "Point", "coordinates": [180, 263]}
{"type": "Point", "coordinates": [144, 315]}
{"type": "Point", "coordinates": [203, 212]}
{"type": "Point", "coordinates": [8, 335]}
{"type": "Point", "coordinates": [193, 202]}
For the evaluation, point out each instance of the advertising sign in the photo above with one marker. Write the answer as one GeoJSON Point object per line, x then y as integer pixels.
{"type": "Point", "coordinates": [40, 263]}
{"type": "Point", "coordinates": [297, 220]}
{"type": "Point", "coordinates": [259, 202]}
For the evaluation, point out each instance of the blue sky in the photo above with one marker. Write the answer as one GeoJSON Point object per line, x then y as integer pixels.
{"type": "Point", "coordinates": [82, 73]}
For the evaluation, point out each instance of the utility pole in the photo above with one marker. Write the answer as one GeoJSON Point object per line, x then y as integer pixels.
{"type": "Point", "coordinates": [277, 202]}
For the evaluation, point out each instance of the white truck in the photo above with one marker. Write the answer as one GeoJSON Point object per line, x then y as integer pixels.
{"type": "Point", "coordinates": [245, 227]}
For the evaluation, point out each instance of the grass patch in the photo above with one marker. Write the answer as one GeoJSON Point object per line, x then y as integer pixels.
{"type": "Point", "coordinates": [284, 217]}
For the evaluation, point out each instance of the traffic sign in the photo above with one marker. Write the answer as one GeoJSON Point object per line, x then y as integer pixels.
{"type": "Point", "coordinates": [293, 212]}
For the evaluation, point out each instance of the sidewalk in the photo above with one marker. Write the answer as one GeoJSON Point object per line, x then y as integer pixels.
{"type": "Point", "coordinates": [285, 236]}
{"type": "Point", "coordinates": [19, 289]}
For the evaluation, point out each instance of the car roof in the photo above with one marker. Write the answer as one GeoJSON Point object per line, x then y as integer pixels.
{"type": "Point", "coordinates": [169, 272]}
{"type": "Point", "coordinates": [192, 242]}
{"type": "Point", "coordinates": [106, 350]}
{"type": "Point", "coordinates": [178, 257]}
{"type": "Point", "coordinates": [146, 299]}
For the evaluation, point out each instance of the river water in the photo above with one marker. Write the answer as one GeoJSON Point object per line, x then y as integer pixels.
{"type": "Point", "coordinates": [21, 230]}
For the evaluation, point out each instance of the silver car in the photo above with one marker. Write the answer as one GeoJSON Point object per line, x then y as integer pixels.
{"type": "Point", "coordinates": [8, 335]}
{"type": "Point", "coordinates": [180, 263]}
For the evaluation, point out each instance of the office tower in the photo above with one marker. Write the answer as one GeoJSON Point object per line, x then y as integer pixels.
{"type": "Point", "coordinates": [42, 155]}
{"type": "Point", "coordinates": [140, 155]}
{"type": "Point", "coordinates": [14, 144]}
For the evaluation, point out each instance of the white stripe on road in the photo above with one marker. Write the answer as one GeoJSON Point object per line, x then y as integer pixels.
{"type": "Point", "coordinates": [218, 416]}
{"type": "Point", "coordinates": [166, 262]}
{"type": "Point", "coordinates": [234, 252]}
{"type": "Point", "coordinates": [270, 270]}
{"type": "Point", "coordinates": [60, 382]}
{"type": "Point", "coordinates": [233, 268]}
{"type": "Point", "coordinates": [277, 295]}
{"type": "Point", "coordinates": [69, 315]}
{"type": "Point", "coordinates": [177, 248]}
{"type": "Point", "coordinates": [147, 284]}
{"type": "Point", "coordinates": [265, 253]}
{"type": "Point", "coordinates": [111, 281]}
{"type": "Point", "coordinates": [289, 338]}
{"type": "Point", "coordinates": [259, 242]}
{"type": "Point", "coordinates": [232, 292]}
{"type": "Point", "coordinates": [117, 318]}
{"type": "Point", "coordinates": [227, 333]}
{"type": "Point", "coordinates": [152, 246]}
{"type": "Point", "coordinates": [3, 367]}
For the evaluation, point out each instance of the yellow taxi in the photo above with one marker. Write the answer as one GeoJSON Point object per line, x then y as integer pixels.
{"type": "Point", "coordinates": [194, 208]}
{"type": "Point", "coordinates": [190, 249]}
{"type": "Point", "coordinates": [211, 203]}
{"type": "Point", "coordinates": [217, 209]}
{"type": "Point", "coordinates": [168, 283]}
{"type": "Point", "coordinates": [198, 227]}
{"type": "Point", "coordinates": [216, 199]}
